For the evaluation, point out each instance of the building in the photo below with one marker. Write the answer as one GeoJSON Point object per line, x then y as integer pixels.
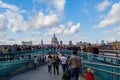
{"type": "Point", "coordinates": [54, 41]}
{"type": "Point", "coordinates": [28, 43]}
{"type": "Point", "coordinates": [41, 42]}
{"type": "Point", "coordinates": [70, 43]}
{"type": "Point", "coordinates": [61, 43]}
{"type": "Point", "coordinates": [102, 42]}
{"type": "Point", "coordinates": [116, 45]}
{"type": "Point", "coordinates": [106, 47]}
{"type": "Point", "coordinates": [81, 44]}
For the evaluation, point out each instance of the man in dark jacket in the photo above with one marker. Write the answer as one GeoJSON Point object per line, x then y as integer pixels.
{"type": "Point", "coordinates": [95, 52]}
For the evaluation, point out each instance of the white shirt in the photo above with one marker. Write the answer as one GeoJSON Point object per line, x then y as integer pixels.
{"type": "Point", "coordinates": [35, 60]}
{"type": "Point", "coordinates": [63, 59]}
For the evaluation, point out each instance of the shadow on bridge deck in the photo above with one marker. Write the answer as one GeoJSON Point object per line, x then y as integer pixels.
{"type": "Point", "coordinates": [40, 73]}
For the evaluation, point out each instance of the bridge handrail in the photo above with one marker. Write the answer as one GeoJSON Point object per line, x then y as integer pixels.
{"type": "Point", "coordinates": [102, 64]}
{"type": "Point", "coordinates": [100, 55]}
{"type": "Point", "coordinates": [96, 54]}
{"type": "Point", "coordinates": [21, 51]}
{"type": "Point", "coordinates": [104, 70]}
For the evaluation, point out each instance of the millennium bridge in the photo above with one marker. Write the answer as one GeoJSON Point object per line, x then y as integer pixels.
{"type": "Point", "coordinates": [19, 65]}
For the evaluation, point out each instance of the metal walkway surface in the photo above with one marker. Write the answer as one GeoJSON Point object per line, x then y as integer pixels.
{"type": "Point", "coordinates": [40, 73]}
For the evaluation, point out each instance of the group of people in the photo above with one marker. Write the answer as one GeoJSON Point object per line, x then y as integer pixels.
{"type": "Point", "coordinates": [74, 62]}
{"type": "Point", "coordinates": [94, 51]}
{"type": "Point", "coordinates": [55, 61]}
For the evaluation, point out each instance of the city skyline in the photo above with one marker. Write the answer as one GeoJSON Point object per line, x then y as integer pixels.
{"type": "Point", "coordinates": [75, 20]}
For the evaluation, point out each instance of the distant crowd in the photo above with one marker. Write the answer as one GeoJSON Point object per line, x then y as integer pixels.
{"type": "Point", "coordinates": [6, 49]}
{"type": "Point", "coordinates": [88, 48]}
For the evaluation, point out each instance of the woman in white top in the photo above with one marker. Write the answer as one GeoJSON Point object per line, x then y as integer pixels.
{"type": "Point", "coordinates": [49, 62]}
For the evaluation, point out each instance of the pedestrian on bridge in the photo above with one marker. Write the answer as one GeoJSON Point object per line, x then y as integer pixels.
{"type": "Point", "coordinates": [49, 62]}
{"type": "Point", "coordinates": [64, 62]}
{"type": "Point", "coordinates": [56, 62]}
{"type": "Point", "coordinates": [76, 64]}
{"type": "Point", "coordinates": [35, 61]}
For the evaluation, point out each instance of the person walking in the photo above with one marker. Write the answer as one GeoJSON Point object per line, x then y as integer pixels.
{"type": "Point", "coordinates": [95, 52]}
{"type": "Point", "coordinates": [56, 62]}
{"type": "Point", "coordinates": [89, 51]}
{"type": "Point", "coordinates": [75, 63]}
{"type": "Point", "coordinates": [49, 62]}
{"type": "Point", "coordinates": [35, 61]}
{"type": "Point", "coordinates": [64, 62]}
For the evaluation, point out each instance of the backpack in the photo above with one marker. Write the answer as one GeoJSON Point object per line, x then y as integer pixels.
{"type": "Point", "coordinates": [53, 61]}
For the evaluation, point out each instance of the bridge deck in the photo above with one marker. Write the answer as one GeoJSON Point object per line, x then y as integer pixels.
{"type": "Point", "coordinates": [40, 73]}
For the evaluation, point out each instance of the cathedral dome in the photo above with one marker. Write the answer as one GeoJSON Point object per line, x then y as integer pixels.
{"type": "Point", "coordinates": [54, 40]}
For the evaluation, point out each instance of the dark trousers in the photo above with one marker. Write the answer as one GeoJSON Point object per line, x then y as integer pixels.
{"type": "Point", "coordinates": [74, 73]}
{"type": "Point", "coordinates": [64, 67]}
{"type": "Point", "coordinates": [49, 68]}
{"type": "Point", "coordinates": [56, 68]}
{"type": "Point", "coordinates": [35, 65]}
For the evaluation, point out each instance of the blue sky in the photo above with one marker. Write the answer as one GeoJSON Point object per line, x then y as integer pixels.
{"type": "Point", "coordinates": [76, 20]}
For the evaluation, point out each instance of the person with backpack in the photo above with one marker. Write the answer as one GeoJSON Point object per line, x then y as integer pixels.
{"type": "Point", "coordinates": [56, 62]}
{"type": "Point", "coordinates": [49, 62]}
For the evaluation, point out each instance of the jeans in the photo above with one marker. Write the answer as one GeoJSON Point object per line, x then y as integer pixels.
{"type": "Point", "coordinates": [49, 68]}
{"type": "Point", "coordinates": [64, 67]}
{"type": "Point", "coordinates": [56, 68]}
{"type": "Point", "coordinates": [94, 58]}
{"type": "Point", "coordinates": [74, 73]}
{"type": "Point", "coordinates": [89, 57]}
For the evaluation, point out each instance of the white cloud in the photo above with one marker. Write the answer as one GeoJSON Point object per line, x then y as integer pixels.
{"type": "Point", "coordinates": [102, 6]}
{"type": "Point", "coordinates": [58, 5]}
{"type": "Point", "coordinates": [56, 30]}
{"type": "Point", "coordinates": [112, 18]}
{"type": "Point", "coordinates": [61, 29]}
{"type": "Point", "coordinates": [115, 30]}
{"type": "Point", "coordinates": [8, 6]}
{"type": "Point", "coordinates": [7, 41]}
{"type": "Point", "coordinates": [11, 19]}
{"type": "Point", "coordinates": [73, 29]}
{"type": "Point", "coordinates": [106, 32]}
{"type": "Point", "coordinates": [3, 23]}
{"type": "Point", "coordinates": [42, 20]}
{"type": "Point", "coordinates": [2, 35]}
{"type": "Point", "coordinates": [16, 21]}
{"type": "Point", "coordinates": [70, 23]}
{"type": "Point", "coordinates": [34, 32]}
{"type": "Point", "coordinates": [118, 33]}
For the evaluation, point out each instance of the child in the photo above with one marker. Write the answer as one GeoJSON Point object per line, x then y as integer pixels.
{"type": "Point", "coordinates": [89, 75]}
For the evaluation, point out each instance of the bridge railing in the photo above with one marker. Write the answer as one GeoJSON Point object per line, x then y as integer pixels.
{"type": "Point", "coordinates": [100, 58]}
{"type": "Point", "coordinates": [103, 71]}
{"type": "Point", "coordinates": [17, 62]}
{"type": "Point", "coordinates": [9, 64]}
{"type": "Point", "coordinates": [21, 54]}
{"type": "Point", "coordinates": [95, 57]}
{"type": "Point", "coordinates": [105, 67]}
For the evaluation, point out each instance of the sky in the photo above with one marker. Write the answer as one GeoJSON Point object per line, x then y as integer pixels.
{"type": "Point", "coordinates": [75, 20]}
